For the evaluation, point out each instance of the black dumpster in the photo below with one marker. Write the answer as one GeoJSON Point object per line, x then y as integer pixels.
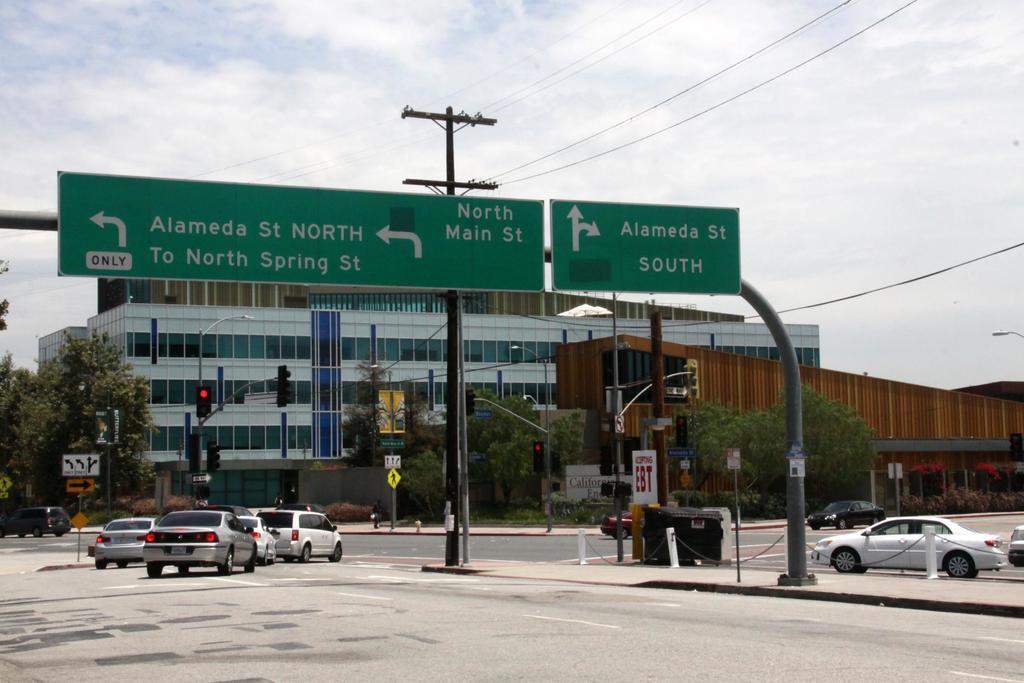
{"type": "Point", "coordinates": [698, 534]}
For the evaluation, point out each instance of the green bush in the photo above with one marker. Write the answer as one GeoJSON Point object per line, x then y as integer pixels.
{"type": "Point", "coordinates": [753, 505]}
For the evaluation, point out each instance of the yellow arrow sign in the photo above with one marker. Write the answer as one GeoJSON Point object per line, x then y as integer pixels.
{"type": "Point", "coordinates": [81, 485]}
{"type": "Point", "coordinates": [394, 477]}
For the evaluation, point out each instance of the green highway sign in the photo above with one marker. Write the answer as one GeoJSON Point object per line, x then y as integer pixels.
{"type": "Point", "coordinates": [127, 227]}
{"type": "Point", "coordinates": [645, 248]}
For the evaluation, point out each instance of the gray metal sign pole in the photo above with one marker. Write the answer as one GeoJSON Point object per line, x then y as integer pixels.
{"type": "Point", "coordinates": [796, 536]}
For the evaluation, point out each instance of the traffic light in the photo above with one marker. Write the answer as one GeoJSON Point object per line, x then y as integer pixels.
{"type": "Point", "coordinates": [470, 401]}
{"type": "Point", "coordinates": [284, 386]}
{"type": "Point", "coordinates": [682, 431]}
{"type": "Point", "coordinates": [538, 456]}
{"type": "Point", "coordinates": [204, 401]}
{"type": "Point", "coordinates": [1016, 446]}
{"type": "Point", "coordinates": [195, 454]}
{"type": "Point", "coordinates": [692, 380]}
{"type": "Point", "coordinates": [212, 457]}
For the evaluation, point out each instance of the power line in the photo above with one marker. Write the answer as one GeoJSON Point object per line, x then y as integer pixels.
{"type": "Point", "coordinates": [714, 106]}
{"type": "Point", "coordinates": [691, 88]}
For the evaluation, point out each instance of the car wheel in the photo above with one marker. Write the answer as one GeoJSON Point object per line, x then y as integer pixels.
{"type": "Point", "coordinates": [58, 534]}
{"type": "Point", "coordinates": [842, 524]}
{"type": "Point", "coordinates": [37, 532]}
{"type": "Point", "coordinates": [336, 555]}
{"type": "Point", "coordinates": [154, 569]}
{"type": "Point", "coordinates": [250, 566]}
{"type": "Point", "coordinates": [229, 563]}
{"type": "Point", "coordinates": [121, 564]}
{"type": "Point", "coordinates": [183, 569]}
{"type": "Point", "coordinates": [307, 552]}
{"type": "Point", "coordinates": [959, 565]}
{"type": "Point", "coordinates": [21, 535]}
{"type": "Point", "coordinates": [101, 564]}
{"type": "Point", "coordinates": [2, 532]}
{"type": "Point", "coordinates": [846, 561]}
{"type": "Point", "coordinates": [814, 527]}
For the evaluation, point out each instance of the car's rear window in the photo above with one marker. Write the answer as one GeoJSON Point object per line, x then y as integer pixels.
{"type": "Point", "coordinates": [128, 525]}
{"type": "Point", "coordinates": [191, 519]}
{"type": "Point", "coordinates": [277, 519]}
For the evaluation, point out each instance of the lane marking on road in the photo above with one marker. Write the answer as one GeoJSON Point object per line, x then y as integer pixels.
{"type": "Point", "coordinates": [176, 584]}
{"type": "Point", "coordinates": [987, 678]}
{"type": "Point", "coordinates": [570, 621]}
{"type": "Point", "coordinates": [367, 597]}
{"type": "Point", "coordinates": [1001, 640]}
{"type": "Point", "coordinates": [244, 583]}
{"type": "Point", "coordinates": [661, 604]}
{"type": "Point", "coordinates": [293, 578]}
{"type": "Point", "coordinates": [410, 579]}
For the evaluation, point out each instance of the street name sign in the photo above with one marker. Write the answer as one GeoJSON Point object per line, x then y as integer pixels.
{"type": "Point", "coordinates": [392, 443]}
{"type": "Point", "coordinates": [201, 478]}
{"type": "Point", "coordinates": [645, 248]}
{"type": "Point", "coordinates": [128, 227]}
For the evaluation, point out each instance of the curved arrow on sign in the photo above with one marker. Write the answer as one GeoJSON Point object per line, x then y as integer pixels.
{"type": "Point", "coordinates": [387, 234]}
{"type": "Point", "coordinates": [101, 220]}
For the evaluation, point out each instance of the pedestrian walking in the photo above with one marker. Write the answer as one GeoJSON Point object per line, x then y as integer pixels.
{"type": "Point", "coordinates": [378, 510]}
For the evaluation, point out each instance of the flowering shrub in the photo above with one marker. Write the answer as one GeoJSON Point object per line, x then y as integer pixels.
{"type": "Point", "coordinates": [989, 469]}
{"type": "Point", "coordinates": [175, 503]}
{"type": "Point", "coordinates": [961, 501]}
{"type": "Point", "coordinates": [349, 512]}
{"type": "Point", "coordinates": [929, 468]}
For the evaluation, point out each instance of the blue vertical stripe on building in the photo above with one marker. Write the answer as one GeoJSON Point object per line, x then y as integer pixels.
{"type": "Point", "coordinates": [565, 336]}
{"type": "Point", "coordinates": [373, 344]}
{"type": "Point", "coordinates": [152, 342]}
{"type": "Point", "coordinates": [500, 393]}
{"type": "Point", "coordinates": [284, 434]}
{"type": "Point", "coordinates": [220, 384]}
{"type": "Point", "coordinates": [430, 389]}
{"type": "Point", "coordinates": [712, 340]}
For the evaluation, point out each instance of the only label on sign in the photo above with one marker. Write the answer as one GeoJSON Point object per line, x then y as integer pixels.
{"type": "Point", "coordinates": [118, 226]}
{"type": "Point", "coordinates": [645, 477]}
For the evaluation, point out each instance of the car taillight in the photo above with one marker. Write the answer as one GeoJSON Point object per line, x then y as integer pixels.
{"type": "Point", "coordinates": [143, 537]}
{"type": "Point", "coordinates": [210, 537]}
{"type": "Point", "coordinates": [256, 534]}
{"type": "Point", "coordinates": [150, 537]}
{"type": "Point", "coordinates": [993, 542]}
{"type": "Point", "coordinates": [103, 539]}
{"type": "Point", "coordinates": [295, 534]}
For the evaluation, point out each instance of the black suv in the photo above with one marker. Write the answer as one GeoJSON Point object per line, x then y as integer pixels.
{"type": "Point", "coordinates": [37, 521]}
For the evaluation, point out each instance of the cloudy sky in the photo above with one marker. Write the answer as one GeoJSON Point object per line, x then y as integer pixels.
{"type": "Point", "coordinates": [873, 146]}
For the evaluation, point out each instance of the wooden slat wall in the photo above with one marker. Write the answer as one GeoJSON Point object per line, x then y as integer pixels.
{"type": "Point", "coordinates": [892, 409]}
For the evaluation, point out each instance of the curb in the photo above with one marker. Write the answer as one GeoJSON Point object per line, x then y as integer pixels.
{"type": "Point", "coordinates": [985, 609]}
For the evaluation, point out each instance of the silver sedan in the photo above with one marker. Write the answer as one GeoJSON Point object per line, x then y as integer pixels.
{"type": "Point", "coordinates": [122, 541]}
{"type": "Point", "coordinates": [266, 539]}
{"type": "Point", "coordinates": [199, 538]}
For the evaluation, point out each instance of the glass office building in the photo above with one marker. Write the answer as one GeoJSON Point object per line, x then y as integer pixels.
{"type": "Point", "coordinates": [328, 348]}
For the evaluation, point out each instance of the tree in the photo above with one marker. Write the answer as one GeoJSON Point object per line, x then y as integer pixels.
{"type": "Point", "coordinates": [3, 302]}
{"type": "Point", "coordinates": [58, 416]}
{"type": "Point", "coordinates": [421, 478]}
{"type": "Point", "coordinates": [567, 439]}
{"type": "Point", "coordinates": [506, 441]}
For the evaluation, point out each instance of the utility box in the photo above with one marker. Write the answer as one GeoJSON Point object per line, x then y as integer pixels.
{"type": "Point", "coordinates": [727, 534]}
{"type": "Point", "coordinates": [699, 535]}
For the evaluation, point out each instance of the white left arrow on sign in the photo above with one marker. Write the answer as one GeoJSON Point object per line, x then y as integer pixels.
{"type": "Point", "coordinates": [101, 220]}
{"type": "Point", "coordinates": [387, 234]}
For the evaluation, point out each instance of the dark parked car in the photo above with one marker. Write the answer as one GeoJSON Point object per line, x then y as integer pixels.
{"type": "Point", "coordinates": [305, 507]}
{"type": "Point", "coordinates": [36, 521]}
{"type": "Point", "coordinates": [846, 514]}
{"type": "Point", "coordinates": [237, 510]}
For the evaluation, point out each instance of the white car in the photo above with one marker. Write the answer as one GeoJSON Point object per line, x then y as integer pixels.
{"type": "Point", "coordinates": [899, 543]}
{"type": "Point", "coordinates": [121, 541]}
{"type": "Point", "coordinates": [304, 535]}
{"type": "Point", "coordinates": [1017, 547]}
{"type": "Point", "coordinates": [266, 539]}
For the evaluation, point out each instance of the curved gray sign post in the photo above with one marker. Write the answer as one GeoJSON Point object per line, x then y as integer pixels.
{"type": "Point", "coordinates": [796, 554]}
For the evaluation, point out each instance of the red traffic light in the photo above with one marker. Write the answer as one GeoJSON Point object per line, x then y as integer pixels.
{"type": "Point", "coordinates": [538, 447]}
{"type": "Point", "coordinates": [204, 393]}
{"type": "Point", "coordinates": [204, 401]}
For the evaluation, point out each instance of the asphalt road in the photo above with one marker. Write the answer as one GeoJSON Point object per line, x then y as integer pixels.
{"type": "Point", "coordinates": [373, 620]}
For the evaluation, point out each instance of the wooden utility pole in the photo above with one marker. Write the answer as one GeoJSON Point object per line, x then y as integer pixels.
{"type": "Point", "coordinates": [454, 306]}
{"type": "Point", "coordinates": [658, 405]}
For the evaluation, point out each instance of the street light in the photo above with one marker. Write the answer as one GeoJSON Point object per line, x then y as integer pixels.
{"type": "Point", "coordinates": [547, 427]}
{"type": "Point", "coordinates": [1003, 333]}
{"type": "Point", "coordinates": [198, 429]}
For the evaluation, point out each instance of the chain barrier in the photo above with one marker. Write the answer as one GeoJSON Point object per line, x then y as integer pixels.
{"type": "Point", "coordinates": [598, 553]}
{"type": "Point", "coordinates": [967, 547]}
{"type": "Point", "coordinates": [886, 559]}
{"type": "Point", "coordinates": [777, 541]}
{"type": "Point", "coordinates": [679, 541]}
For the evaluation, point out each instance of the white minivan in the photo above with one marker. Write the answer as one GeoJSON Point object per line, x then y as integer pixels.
{"type": "Point", "coordinates": [303, 535]}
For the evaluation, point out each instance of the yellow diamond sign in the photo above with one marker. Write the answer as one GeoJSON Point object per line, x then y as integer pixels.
{"type": "Point", "coordinates": [79, 520]}
{"type": "Point", "coordinates": [394, 477]}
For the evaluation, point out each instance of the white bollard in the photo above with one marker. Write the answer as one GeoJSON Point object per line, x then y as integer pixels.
{"type": "Point", "coordinates": [673, 552]}
{"type": "Point", "coordinates": [931, 562]}
{"type": "Point", "coordinates": [582, 537]}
